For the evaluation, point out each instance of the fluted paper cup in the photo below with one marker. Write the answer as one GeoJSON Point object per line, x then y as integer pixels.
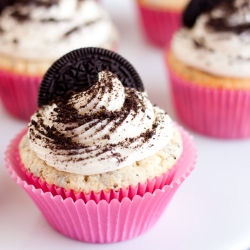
{"type": "Point", "coordinates": [159, 25]}
{"type": "Point", "coordinates": [130, 192]}
{"type": "Point", "coordinates": [220, 113]}
{"type": "Point", "coordinates": [19, 94]}
{"type": "Point", "coordinates": [98, 220]}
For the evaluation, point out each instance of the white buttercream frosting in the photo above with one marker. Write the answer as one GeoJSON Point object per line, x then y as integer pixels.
{"type": "Point", "coordinates": [219, 42]}
{"type": "Point", "coordinates": [105, 128]}
{"type": "Point", "coordinates": [45, 29]}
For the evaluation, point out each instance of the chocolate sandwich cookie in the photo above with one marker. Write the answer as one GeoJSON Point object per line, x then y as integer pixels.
{"type": "Point", "coordinates": [78, 71]}
{"type": "Point", "coordinates": [195, 8]}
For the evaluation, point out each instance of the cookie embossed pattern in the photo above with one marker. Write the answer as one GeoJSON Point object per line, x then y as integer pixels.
{"type": "Point", "coordinates": [107, 171]}
{"type": "Point", "coordinates": [79, 70]}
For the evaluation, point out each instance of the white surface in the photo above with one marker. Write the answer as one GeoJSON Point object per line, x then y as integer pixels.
{"type": "Point", "coordinates": [211, 210]}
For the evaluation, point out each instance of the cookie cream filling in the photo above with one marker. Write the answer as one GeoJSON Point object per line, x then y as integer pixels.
{"type": "Point", "coordinates": [103, 129]}
{"type": "Point", "coordinates": [219, 42]}
{"type": "Point", "coordinates": [45, 29]}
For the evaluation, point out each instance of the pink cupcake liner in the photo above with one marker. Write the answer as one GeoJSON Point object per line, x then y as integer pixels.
{"type": "Point", "coordinates": [140, 189]}
{"type": "Point", "coordinates": [102, 221]}
{"type": "Point", "coordinates": [19, 94]}
{"type": "Point", "coordinates": [219, 113]}
{"type": "Point", "coordinates": [159, 25]}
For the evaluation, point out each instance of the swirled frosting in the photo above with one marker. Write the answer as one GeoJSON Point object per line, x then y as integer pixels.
{"type": "Point", "coordinates": [102, 129]}
{"type": "Point", "coordinates": [219, 42]}
{"type": "Point", "coordinates": [47, 29]}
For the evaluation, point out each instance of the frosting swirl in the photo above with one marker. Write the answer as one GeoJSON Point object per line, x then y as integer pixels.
{"type": "Point", "coordinates": [219, 42]}
{"type": "Point", "coordinates": [51, 28]}
{"type": "Point", "coordinates": [102, 129]}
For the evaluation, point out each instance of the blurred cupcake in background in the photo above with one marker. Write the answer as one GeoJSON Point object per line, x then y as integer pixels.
{"type": "Point", "coordinates": [160, 19]}
{"type": "Point", "coordinates": [33, 34]}
{"type": "Point", "coordinates": [209, 64]}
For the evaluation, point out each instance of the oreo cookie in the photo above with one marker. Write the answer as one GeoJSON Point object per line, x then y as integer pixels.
{"type": "Point", "coordinates": [195, 8]}
{"type": "Point", "coordinates": [78, 70]}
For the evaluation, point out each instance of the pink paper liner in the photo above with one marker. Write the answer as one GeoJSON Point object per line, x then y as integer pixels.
{"type": "Point", "coordinates": [130, 192]}
{"type": "Point", "coordinates": [19, 94]}
{"type": "Point", "coordinates": [159, 25]}
{"type": "Point", "coordinates": [103, 222]}
{"type": "Point", "coordinates": [219, 113]}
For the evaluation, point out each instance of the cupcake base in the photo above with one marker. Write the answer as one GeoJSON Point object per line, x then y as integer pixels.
{"type": "Point", "coordinates": [159, 25]}
{"type": "Point", "coordinates": [220, 113]}
{"type": "Point", "coordinates": [19, 94]}
{"type": "Point", "coordinates": [103, 222]}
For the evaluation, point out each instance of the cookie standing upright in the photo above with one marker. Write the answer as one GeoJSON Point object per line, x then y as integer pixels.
{"type": "Point", "coordinates": [208, 66]}
{"type": "Point", "coordinates": [98, 152]}
{"type": "Point", "coordinates": [33, 34]}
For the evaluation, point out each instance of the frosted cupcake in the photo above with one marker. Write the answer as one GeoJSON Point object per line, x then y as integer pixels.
{"type": "Point", "coordinates": [160, 19]}
{"type": "Point", "coordinates": [36, 33]}
{"type": "Point", "coordinates": [209, 70]}
{"type": "Point", "coordinates": [101, 148]}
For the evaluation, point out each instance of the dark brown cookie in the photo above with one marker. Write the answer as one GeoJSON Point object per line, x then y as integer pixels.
{"type": "Point", "coordinates": [78, 71]}
{"type": "Point", "coordinates": [195, 8]}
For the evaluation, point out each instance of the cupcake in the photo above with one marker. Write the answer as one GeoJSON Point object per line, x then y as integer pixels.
{"type": "Point", "coordinates": [160, 19]}
{"type": "Point", "coordinates": [208, 67]}
{"type": "Point", "coordinates": [99, 160]}
{"type": "Point", "coordinates": [33, 34]}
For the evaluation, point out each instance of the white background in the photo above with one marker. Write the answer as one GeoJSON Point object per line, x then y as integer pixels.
{"type": "Point", "coordinates": [211, 210]}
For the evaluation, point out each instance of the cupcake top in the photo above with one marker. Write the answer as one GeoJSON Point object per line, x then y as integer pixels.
{"type": "Point", "coordinates": [102, 129]}
{"type": "Point", "coordinates": [217, 40]}
{"type": "Point", "coordinates": [101, 126]}
{"type": "Point", "coordinates": [47, 29]}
